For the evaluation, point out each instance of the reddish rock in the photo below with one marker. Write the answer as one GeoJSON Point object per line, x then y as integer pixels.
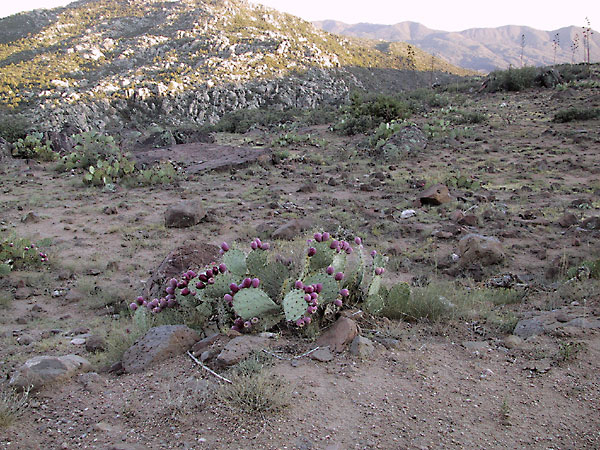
{"type": "Point", "coordinates": [568, 220]}
{"type": "Point", "coordinates": [337, 337]}
{"type": "Point", "coordinates": [241, 347]}
{"type": "Point", "coordinates": [184, 214]}
{"type": "Point", "coordinates": [292, 229]}
{"type": "Point", "coordinates": [435, 195]}
{"type": "Point", "coordinates": [483, 250]}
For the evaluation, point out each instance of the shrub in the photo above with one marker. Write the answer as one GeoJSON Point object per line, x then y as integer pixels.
{"type": "Point", "coordinates": [13, 127]}
{"type": "Point", "coordinates": [573, 114]}
{"type": "Point", "coordinates": [12, 405]}
{"type": "Point", "coordinates": [512, 79]}
{"type": "Point", "coordinates": [366, 112]}
{"type": "Point", "coordinates": [243, 120]}
{"type": "Point", "coordinates": [33, 147]}
{"type": "Point", "coordinates": [20, 253]}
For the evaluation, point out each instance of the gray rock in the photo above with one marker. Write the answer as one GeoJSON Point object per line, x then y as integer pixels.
{"type": "Point", "coordinates": [44, 370]}
{"type": "Point", "coordinates": [322, 354]}
{"type": "Point", "coordinates": [291, 229]}
{"type": "Point", "coordinates": [483, 250]}
{"type": "Point", "coordinates": [529, 327]}
{"type": "Point", "coordinates": [341, 333]}
{"type": "Point", "coordinates": [362, 347]}
{"type": "Point", "coordinates": [23, 293]}
{"type": "Point", "coordinates": [476, 346]}
{"type": "Point", "coordinates": [95, 343]}
{"type": "Point", "coordinates": [184, 214]}
{"type": "Point", "coordinates": [513, 342]}
{"type": "Point", "coordinates": [239, 348]}
{"type": "Point", "coordinates": [158, 344]}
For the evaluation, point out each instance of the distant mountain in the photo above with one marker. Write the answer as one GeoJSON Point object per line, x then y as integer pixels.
{"type": "Point", "coordinates": [103, 63]}
{"type": "Point", "coordinates": [481, 49]}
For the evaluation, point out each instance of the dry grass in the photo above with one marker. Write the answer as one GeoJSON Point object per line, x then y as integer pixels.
{"type": "Point", "coordinates": [12, 405]}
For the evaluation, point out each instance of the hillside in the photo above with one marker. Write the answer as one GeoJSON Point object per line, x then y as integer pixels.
{"type": "Point", "coordinates": [481, 49]}
{"type": "Point", "coordinates": [101, 63]}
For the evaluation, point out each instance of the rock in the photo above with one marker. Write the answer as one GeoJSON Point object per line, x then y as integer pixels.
{"type": "Point", "coordinates": [389, 343]}
{"type": "Point", "coordinates": [591, 223]}
{"type": "Point", "coordinates": [362, 347]}
{"type": "Point", "coordinates": [25, 339]}
{"type": "Point", "coordinates": [239, 348]}
{"type": "Point", "coordinates": [78, 341]}
{"type": "Point", "coordinates": [74, 295]}
{"type": "Point", "coordinates": [208, 342]}
{"type": "Point", "coordinates": [332, 182]}
{"type": "Point", "coordinates": [341, 333]}
{"type": "Point", "coordinates": [567, 220]}
{"type": "Point", "coordinates": [469, 220]}
{"type": "Point", "coordinates": [43, 370]}
{"type": "Point", "coordinates": [513, 342]}
{"type": "Point", "coordinates": [158, 344]}
{"type": "Point", "coordinates": [292, 229]}
{"type": "Point", "coordinates": [322, 354]}
{"type": "Point", "coordinates": [483, 250]}
{"type": "Point", "coordinates": [476, 346]}
{"type": "Point", "coordinates": [184, 214]}
{"type": "Point", "coordinates": [110, 210]}
{"type": "Point", "coordinates": [408, 213]}
{"type": "Point", "coordinates": [92, 382]}
{"type": "Point", "coordinates": [307, 188]}
{"type": "Point", "coordinates": [582, 322]}
{"type": "Point", "coordinates": [4, 150]}
{"type": "Point", "coordinates": [435, 195]}
{"type": "Point", "coordinates": [95, 343]}
{"type": "Point", "coordinates": [30, 217]}
{"type": "Point", "coordinates": [190, 256]}
{"type": "Point", "coordinates": [409, 141]}
{"type": "Point", "coordinates": [529, 327]}
{"type": "Point", "coordinates": [23, 293]}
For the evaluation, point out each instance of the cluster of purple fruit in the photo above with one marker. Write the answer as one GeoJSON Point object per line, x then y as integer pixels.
{"type": "Point", "coordinates": [169, 301]}
{"type": "Point", "coordinates": [311, 296]}
{"type": "Point", "coordinates": [240, 325]}
{"type": "Point", "coordinates": [43, 256]}
{"type": "Point", "coordinates": [257, 244]}
{"type": "Point", "coordinates": [338, 246]}
{"type": "Point", "coordinates": [235, 288]}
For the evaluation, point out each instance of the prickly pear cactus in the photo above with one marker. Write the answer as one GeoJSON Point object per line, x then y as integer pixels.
{"type": "Point", "coordinates": [272, 276]}
{"type": "Point", "coordinates": [220, 287]}
{"type": "Point", "coordinates": [374, 304]}
{"type": "Point", "coordinates": [256, 262]}
{"type": "Point", "coordinates": [374, 286]}
{"type": "Point", "coordinates": [294, 305]}
{"type": "Point", "coordinates": [323, 258]}
{"type": "Point", "coordinates": [250, 303]}
{"type": "Point", "coordinates": [235, 260]}
{"type": "Point", "coordinates": [331, 288]}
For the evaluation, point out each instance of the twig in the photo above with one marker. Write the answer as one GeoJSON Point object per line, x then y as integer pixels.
{"type": "Point", "coordinates": [197, 361]}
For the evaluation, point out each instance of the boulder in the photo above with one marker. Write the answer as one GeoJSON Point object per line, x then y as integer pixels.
{"type": "Point", "coordinates": [240, 348]}
{"type": "Point", "coordinates": [529, 327]}
{"type": "Point", "coordinates": [435, 195]}
{"type": "Point", "coordinates": [44, 370]}
{"type": "Point", "coordinates": [184, 215]}
{"type": "Point", "coordinates": [192, 256]}
{"type": "Point", "coordinates": [362, 347]}
{"type": "Point", "coordinates": [341, 333]}
{"type": "Point", "coordinates": [158, 344]}
{"type": "Point", "coordinates": [409, 141]}
{"type": "Point", "coordinates": [291, 229]}
{"type": "Point", "coordinates": [567, 220]}
{"type": "Point", "coordinates": [479, 249]}
{"type": "Point", "coordinates": [591, 223]}
{"type": "Point", "coordinates": [95, 343]}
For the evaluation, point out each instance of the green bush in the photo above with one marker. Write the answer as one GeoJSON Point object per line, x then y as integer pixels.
{"type": "Point", "coordinates": [20, 253]}
{"type": "Point", "coordinates": [366, 112]}
{"type": "Point", "coordinates": [242, 120]}
{"type": "Point", "coordinates": [33, 147]}
{"type": "Point", "coordinates": [573, 114]}
{"type": "Point", "coordinates": [13, 127]}
{"type": "Point", "coordinates": [512, 79]}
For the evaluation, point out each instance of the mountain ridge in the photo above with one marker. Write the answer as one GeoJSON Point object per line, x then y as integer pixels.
{"type": "Point", "coordinates": [481, 49]}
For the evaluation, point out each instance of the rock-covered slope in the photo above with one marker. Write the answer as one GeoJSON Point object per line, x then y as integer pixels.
{"type": "Point", "coordinates": [482, 49]}
{"type": "Point", "coordinates": [100, 63]}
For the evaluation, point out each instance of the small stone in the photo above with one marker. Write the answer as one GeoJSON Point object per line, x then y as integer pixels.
{"type": "Point", "coordinates": [362, 347]}
{"type": "Point", "coordinates": [529, 327]}
{"type": "Point", "coordinates": [408, 213]}
{"type": "Point", "coordinates": [23, 293]}
{"type": "Point", "coordinates": [435, 195]}
{"type": "Point", "coordinates": [241, 347]}
{"type": "Point", "coordinates": [323, 354]}
{"type": "Point", "coordinates": [513, 342]}
{"type": "Point", "coordinates": [339, 335]}
{"type": "Point", "coordinates": [95, 343]}
{"type": "Point", "coordinates": [78, 341]}
{"type": "Point", "coordinates": [25, 339]}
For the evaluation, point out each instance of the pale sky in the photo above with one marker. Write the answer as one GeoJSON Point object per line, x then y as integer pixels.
{"type": "Point", "coordinates": [447, 15]}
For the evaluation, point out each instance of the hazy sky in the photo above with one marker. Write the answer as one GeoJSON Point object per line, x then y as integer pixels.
{"type": "Point", "coordinates": [448, 15]}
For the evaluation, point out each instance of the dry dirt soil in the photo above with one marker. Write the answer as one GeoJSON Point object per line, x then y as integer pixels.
{"type": "Point", "coordinates": [427, 392]}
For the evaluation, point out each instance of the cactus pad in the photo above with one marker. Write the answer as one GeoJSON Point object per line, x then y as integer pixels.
{"type": "Point", "coordinates": [374, 304]}
{"type": "Point", "coordinates": [294, 305]}
{"type": "Point", "coordinates": [323, 257]}
{"type": "Point", "coordinates": [235, 260]}
{"type": "Point", "coordinates": [221, 286]}
{"type": "Point", "coordinates": [396, 302]}
{"type": "Point", "coordinates": [256, 262]}
{"type": "Point", "coordinates": [331, 288]}
{"type": "Point", "coordinates": [249, 303]}
{"type": "Point", "coordinates": [272, 277]}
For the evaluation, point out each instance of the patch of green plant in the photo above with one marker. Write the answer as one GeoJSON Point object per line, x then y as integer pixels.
{"type": "Point", "coordinates": [243, 120]}
{"type": "Point", "coordinates": [20, 253]}
{"type": "Point", "coordinates": [568, 351]}
{"type": "Point", "coordinates": [463, 182]}
{"type": "Point", "coordinates": [512, 79]}
{"type": "Point", "coordinates": [367, 111]}
{"type": "Point", "coordinates": [575, 114]}
{"type": "Point", "coordinates": [13, 127]}
{"type": "Point", "coordinates": [12, 405]}
{"type": "Point", "coordinates": [298, 139]}
{"type": "Point", "coordinates": [468, 117]}
{"type": "Point", "coordinates": [34, 147]}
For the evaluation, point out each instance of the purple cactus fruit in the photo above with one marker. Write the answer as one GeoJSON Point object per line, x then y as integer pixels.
{"type": "Point", "coordinates": [170, 297]}
{"type": "Point", "coordinates": [349, 251]}
{"type": "Point", "coordinates": [26, 248]}
{"type": "Point", "coordinates": [314, 296]}
{"type": "Point", "coordinates": [236, 328]}
{"type": "Point", "coordinates": [209, 274]}
{"type": "Point", "coordinates": [170, 290]}
{"type": "Point", "coordinates": [358, 240]}
{"type": "Point", "coordinates": [140, 300]}
{"type": "Point", "coordinates": [309, 289]}
{"type": "Point", "coordinates": [253, 245]}
{"type": "Point", "coordinates": [215, 271]}
{"type": "Point", "coordinates": [334, 245]}
{"type": "Point", "coordinates": [173, 282]}
{"type": "Point", "coordinates": [144, 303]}
{"type": "Point", "coordinates": [247, 283]}
{"type": "Point", "coordinates": [326, 236]}
{"type": "Point", "coordinates": [266, 246]}
{"type": "Point", "coordinates": [202, 277]}
{"type": "Point", "coordinates": [337, 302]}
{"type": "Point", "coordinates": [318, 237]}
{"type": "Point", "coordinates": [312, 251]}
{"type": "Point", "coordinates": [153, 303]}
{"type": "Point", "coordinates": [330, 270]}
{"type": "Point", "coordinates": [338, 276]}
{"type": "Point", "coordinates": [185, 291]}
{"type": "Point", "coordinates": [193, 293]}
{"type": "Point", "coordinates": [299, 285]}
{"type": "Point", "coordinates": [247, 324]}
{"type": "Point", "coordinates": [222, 268]}
{"type": "Point", "coordinates": [378, 270]}
{"type": "Point", "coordinates": [318, 288]}
{"type": "Point", "coordinates": [133, 306]}
{"type": "Point", "coordinates": [255, 282]}
{"type": "Point", "coordinates": [373, 253]}
{"type": "Point", "coordinates": [345, 245]}
{"type": "Point", "coordinates": [307, 298]}
{"type": "Point", "coordinates": [234, 288]}
{"type": "Point", "coordinates": [239, 322]}
{"type": "Point", "coordinates": [182, 284]}
{"type": "Point", "coordinates": [254, 320]}
{"type": "Point", "coordinates": [171, 303]}
{"type": "Point", "coordinates": [228, 298]}
{"type": "Point", "coordinates": [225, 247]}
{"type": "Point", "coordinates": [200, 285]}
{"type": "Point", "coordinates": [191, 274]}
{"type": "Point", "coordinates": [307, 320]}
{"type": "Point", "coordinates": [156, 310]}
{"type": "Point", "coordinates": [258, 242]}
{"type": "Point", "coordinates": [311, 310]}
{"type": "Point", "coordinates": [300, 322]}
{"type": "Point", "coordinates": [11, 244]}
{"type": "Point", "coordinates": [162, 303]}
{"type": "Point", "coordinates": [344, 292]}
{"type": "Point", "coordinates": [211, 281]}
